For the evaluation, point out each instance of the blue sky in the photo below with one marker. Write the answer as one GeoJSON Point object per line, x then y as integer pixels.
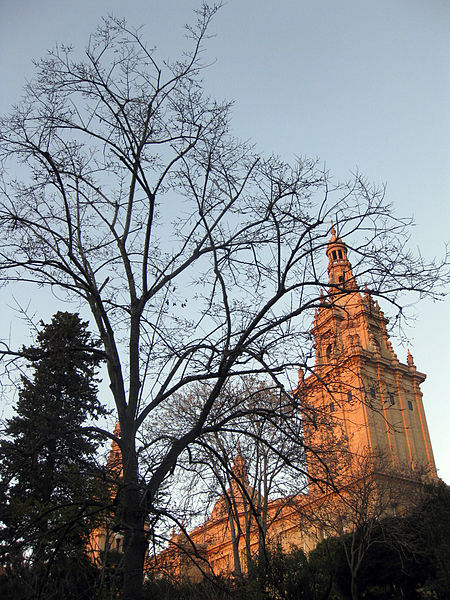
{"type": "Point", "coordinates": [361, 84]}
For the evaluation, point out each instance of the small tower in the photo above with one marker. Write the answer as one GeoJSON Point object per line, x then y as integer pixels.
{"type": "Point", "coordinates": [240, 470]}
{"type": "Point", "coordinates": [360, 397]}
{"type": "Point", "coordinates": [339, 268]}
{"type": "Point", "coordinates": [114, 461]}
{"type": "Point", "coordinates": [104, 537]}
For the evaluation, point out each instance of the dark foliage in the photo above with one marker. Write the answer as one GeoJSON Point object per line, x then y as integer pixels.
{"type": "Point", "coordinates": [409, 556]}
{"type": "Point", "coordinates": [50, 485]}
{"type": "Point", "coordinates": [72, 578]}
{"type": "Point", "coordinates": [289, 576]}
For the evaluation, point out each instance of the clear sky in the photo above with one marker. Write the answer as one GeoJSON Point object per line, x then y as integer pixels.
{"type": "Point", "coordinates": [359, 83]}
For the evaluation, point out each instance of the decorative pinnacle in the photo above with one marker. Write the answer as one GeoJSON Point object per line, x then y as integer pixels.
{"type": "Point", "coordinates": [333, 230]}
{"type": "Point", "coordinates": [410, 359]}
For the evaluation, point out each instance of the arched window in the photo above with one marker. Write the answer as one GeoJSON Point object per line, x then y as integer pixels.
{"type": "Point", "coordinates": [329, 351]}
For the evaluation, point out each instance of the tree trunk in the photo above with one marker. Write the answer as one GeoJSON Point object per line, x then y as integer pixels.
{"type": "Point", "coordinates": [133, 518]}
{"type": "Point", "coordinates": [354, 587]}
{"type": "Point", "coordinates": [135, 545]}
{"type": "Point", "coordinates": [235, 544]}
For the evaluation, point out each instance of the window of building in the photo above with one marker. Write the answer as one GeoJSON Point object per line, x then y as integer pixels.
{"type": "Point", "coordinates": [410, 405]}
{"type": "Point", "coordinates": [329, 351]}
{"type": "Point", "coordinates": [334, 255]}
{"type": "Point", "coordinates": [331, 406]}
{"type": "Point", "coordinates": [391, 399]}
{"type": "Point", "coordinates": [372, 392]}
{"type": "Point", "coordinates": [349, 396]}
{"type": "Point", "coordinates": [340, 253]}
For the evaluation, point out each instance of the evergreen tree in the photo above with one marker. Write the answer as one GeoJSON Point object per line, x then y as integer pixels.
{"type": "Point", "coordinates": [49, 478]}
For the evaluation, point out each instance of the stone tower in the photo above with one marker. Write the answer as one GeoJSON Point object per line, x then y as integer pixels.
{"type": "Point", "coordinates": [360, 397]}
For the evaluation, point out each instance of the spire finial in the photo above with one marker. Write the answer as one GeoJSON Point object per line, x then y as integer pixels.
{"type": "Point", "coordinates": [333, 230]}
{"type": "Point", "coordinates": [239, 467]}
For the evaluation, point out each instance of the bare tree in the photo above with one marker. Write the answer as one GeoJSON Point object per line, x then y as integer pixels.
{"type": "Point", "coordinates": [243, 466]}
{"type": "Point", "coordinates": [123, 190]}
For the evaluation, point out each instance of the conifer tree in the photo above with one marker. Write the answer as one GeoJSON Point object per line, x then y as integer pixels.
{"type": "Point", "coordinates": [47, 458]}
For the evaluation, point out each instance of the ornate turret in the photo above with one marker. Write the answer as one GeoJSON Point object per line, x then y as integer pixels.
{"type": "Point", "coordinates": [105, 537]}
{"type": "Point", "coordinates": [339, 268]}
{"type": "Point", "coordinates": [114, 462]}
{"type": "Point", "coordinates": [240, 468]}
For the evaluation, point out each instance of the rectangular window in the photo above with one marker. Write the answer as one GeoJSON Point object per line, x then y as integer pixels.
{"type": "Point", "coordinates": [349, 396]}
{"type": "Point", "coordinates": [331, 406]}
{"type": "Point", "coordinates": [410, 405]}
{"type": "Point", "coordinates": [391, 399]}
{"type": "Point", "coordinates": [372, 392]}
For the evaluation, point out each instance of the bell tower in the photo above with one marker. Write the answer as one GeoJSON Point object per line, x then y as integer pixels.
{"type": "Point", "coordinates": [359, 397]}
{"type": "Point", "coordinates": [339, 267]}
